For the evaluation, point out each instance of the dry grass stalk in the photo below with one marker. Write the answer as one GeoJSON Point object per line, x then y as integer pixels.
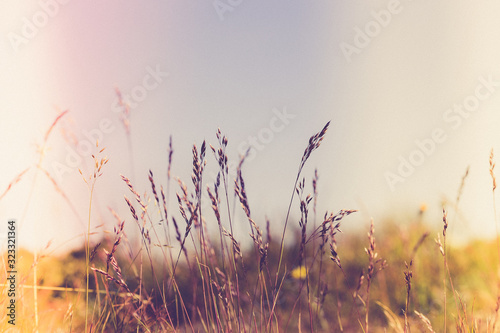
{"type": "Point", "coordinates": [197, 179]}
{"type": "Point", "coordinates": [132, 209]}
{"type": "Point", "coordinates": [41, 152]}
{"type": "Point", "coordinates": [374, 265]}
{"type": "Point", "coordinates": [492, 167]}
{"type": "Point", "coordinates": [461, 187]}
{"type": "Point", "coordinates": [170, 153]}
{"type": "Point", "coordinates": [304, 212]}
{"type": "Point", "coordinates": [153, 187]}
{"type": "Point", "coordinates": [99, 162]}
{"type": "Point", "coordinates": [215, 202]}
{"type": "Point", "coordinates": [220, 153]}
{"type": "Point", "coordinates": [408, 275]}
{"type": "Point", "coordinates": [419, 243]}
{"type": "Point", "coordinates": [125, 115]}
{"type": "Point", "coordinates": [236, 245]}
{"type": "Point", "coordinates": [356, 294]}
{"type": "Point", "coordinates": [315, 201]}
{"type": "Point", "coordinates": [426, 321]}
{"type": "Point", "coordinates": [314, 143]}
{"type": "Point", "coordinates": [164, 202]}
{"type": "Point", "coordinates": [392, 318]}
{"type": "Point", "coordinates": [240, 191]}
{"type": "Point", "coordinates": [178, 236]}
{"type": "Point", "coordinates": [268, 231]}
{"type": "Point", "coordinates": [118, 230]}
{"type": "Point", "coordinates": [494, 186]}
{"type": "Point", "coordinates": [125, 119]}
{"type": "Point", "coordinates": [447, 274]}
{"type": "Point", "coordinates": [62, 114]}
{"type": "Point", "coordinates": [63, 194]}
{"type": "Point", "coordinates": [164, 219]}
{"type": "Point", "coordinates": [214, 198]}
{"type": "Point", "coordinates": [198, 167]}
{"type": "Point", "coordinates": [118, 281]}
{"type": "Point", "coordinates": [327, 230]}
{"type": "Point", "coordinates": [94, 251]}
{"type": "Point", "coordinates": [222, 160]}
{"type": "Point", "coordinates": [119, 234]}
{"type": "Point", "coordinates": [315, 189]}
{"type": "Point", "coordinates": [16, 180]}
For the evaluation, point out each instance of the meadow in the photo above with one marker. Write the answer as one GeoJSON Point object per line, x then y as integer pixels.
{"type": "Point", "coordinates": [184, 269]}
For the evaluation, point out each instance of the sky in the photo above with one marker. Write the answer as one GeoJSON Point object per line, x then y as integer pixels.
{"type": "Point", "coordinates": [410, 87]}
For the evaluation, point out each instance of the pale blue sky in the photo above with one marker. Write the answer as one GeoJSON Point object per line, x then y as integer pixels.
{"type": "Point", "coordinates": [263, 57]}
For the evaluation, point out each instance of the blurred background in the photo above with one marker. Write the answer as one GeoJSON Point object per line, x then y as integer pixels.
{"type": "Point", "coordinates": [388, 74]}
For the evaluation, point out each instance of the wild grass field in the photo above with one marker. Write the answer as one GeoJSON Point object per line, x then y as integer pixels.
{"type": "Point", "coordinates": [184, 270]}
